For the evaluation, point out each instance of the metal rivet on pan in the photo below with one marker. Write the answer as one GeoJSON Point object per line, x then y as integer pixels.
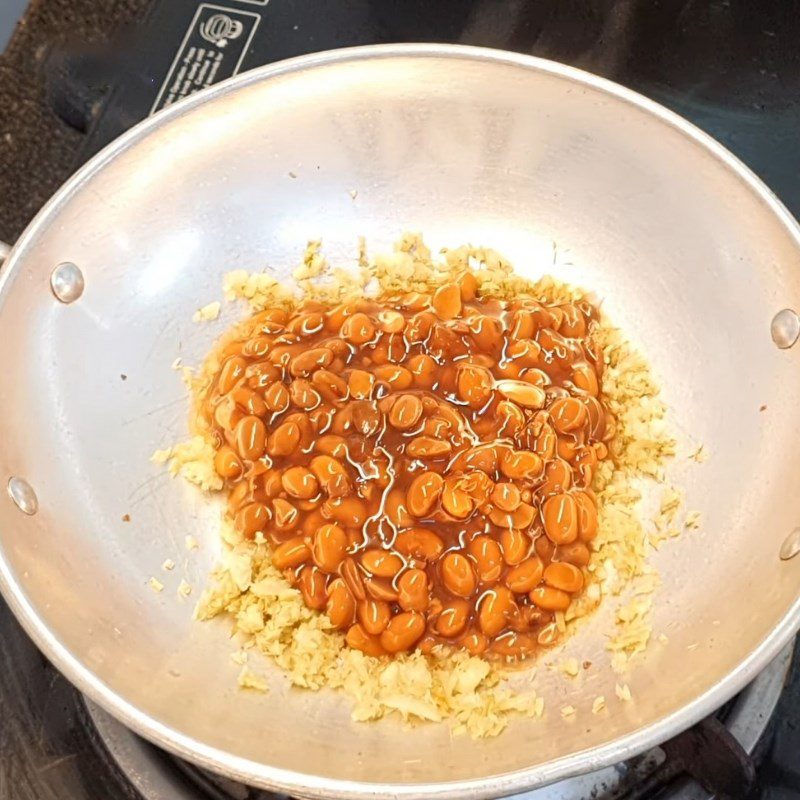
{"type": "Point", "coordinates": [21, 492]}
{"type": "Point", "coordinates": [791, 545]}
{"type": "Point", "coordinates": [67, 282]}
{"type": "Point", "coordinates": [785, 328]}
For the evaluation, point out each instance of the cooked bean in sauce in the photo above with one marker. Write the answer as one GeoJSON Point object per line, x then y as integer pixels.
{"type": "Point", "coordinates": [421, 465]}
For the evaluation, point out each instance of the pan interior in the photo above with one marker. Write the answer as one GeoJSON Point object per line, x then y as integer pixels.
{"type": "Point", "coordinates": [691, 259]}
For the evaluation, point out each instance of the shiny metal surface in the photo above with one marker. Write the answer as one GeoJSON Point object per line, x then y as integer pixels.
{"type": "Point", "coordinates": [23, 496]}
{"type": "Point", "coordinates": [785, 328]}
{"type": "Point", "coordinates": [691, 254]}
{"type": "Point", "coordinates": [791, 545]}
{"type": "Point", "coordinates": [67, 283]}
{"type": "Point", "coordinates": [157, 778]}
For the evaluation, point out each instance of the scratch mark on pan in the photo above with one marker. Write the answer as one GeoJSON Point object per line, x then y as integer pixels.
{"type": "Point", "coordinates": [144, 484]}
{"type": "Point", "coordinates": [157, 340]}
{"type": "Point", "coordinates": [152, 411]}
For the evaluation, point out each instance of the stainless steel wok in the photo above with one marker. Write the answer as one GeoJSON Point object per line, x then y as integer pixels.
{"type": "Point", "coordinates": [693, 255]}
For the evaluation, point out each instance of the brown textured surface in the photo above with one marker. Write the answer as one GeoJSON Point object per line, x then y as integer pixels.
{"type": "Point", "coordinates": [38, 150]}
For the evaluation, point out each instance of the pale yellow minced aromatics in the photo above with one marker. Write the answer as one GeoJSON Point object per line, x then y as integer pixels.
{"type": "Point", "coordinates": [301, 641]}
{"type": "Point", "coordinates": [193, 461]}
{"type": "Point", "coordinates": [640, 448]}
{"type": "Point", "coordinates": [623, 692]}
{"type": "Point", "coordinates": [208, 312]}
{"type": "Point", "coordinates": [664, 523]}
{"type": "Point", "coordinates": [252, 680]}
{"type": "Point", "coordinates": [270, 616]}
{"type": "Point", "coordinates": [693, 520]}
{"type": "Point", "coordinates": [570, 667]}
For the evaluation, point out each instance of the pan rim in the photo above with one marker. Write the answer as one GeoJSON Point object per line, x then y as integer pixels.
{"type": "Point", "coordinates": [262, 775]}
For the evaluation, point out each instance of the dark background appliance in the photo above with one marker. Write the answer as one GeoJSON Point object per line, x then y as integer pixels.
{"type": "Point", "coordinates": [77, 73]}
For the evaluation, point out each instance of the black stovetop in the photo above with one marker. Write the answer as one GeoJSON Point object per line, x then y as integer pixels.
{"type": "Point", "coordinates": [731, 67]}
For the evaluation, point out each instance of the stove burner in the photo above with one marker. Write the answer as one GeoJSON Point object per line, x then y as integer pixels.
{"type": "Point", "coordinates": [714, 758]}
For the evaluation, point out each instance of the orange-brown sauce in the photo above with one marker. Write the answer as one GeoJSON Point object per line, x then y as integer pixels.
{"type": "Point", "coordinates": [421, 465]}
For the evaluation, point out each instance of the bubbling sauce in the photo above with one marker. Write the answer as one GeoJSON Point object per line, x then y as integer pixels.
{"type": "Point", "coordinates": [421, 465]}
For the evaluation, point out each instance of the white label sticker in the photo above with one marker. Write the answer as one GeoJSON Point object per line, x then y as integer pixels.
{"type": "Point", "coordinates": [212, 49]}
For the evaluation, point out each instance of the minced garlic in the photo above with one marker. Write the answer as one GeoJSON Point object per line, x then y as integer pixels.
{"type": "Point", "coordinates": [207, 313]}
{"type": "Point", "coordinates": [623, 692]}
{"type": "Point", "coordinates": [270, 616]}
{"type": "Point", "coordinates": [598, 705]}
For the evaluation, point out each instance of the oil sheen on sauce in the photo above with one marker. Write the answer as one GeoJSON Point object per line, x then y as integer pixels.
{"type": "Point", "coordinates": [421, 465]}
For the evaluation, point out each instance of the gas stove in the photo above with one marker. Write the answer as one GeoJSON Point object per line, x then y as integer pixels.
{"type": "Point", "coordinates": [79, 72]}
